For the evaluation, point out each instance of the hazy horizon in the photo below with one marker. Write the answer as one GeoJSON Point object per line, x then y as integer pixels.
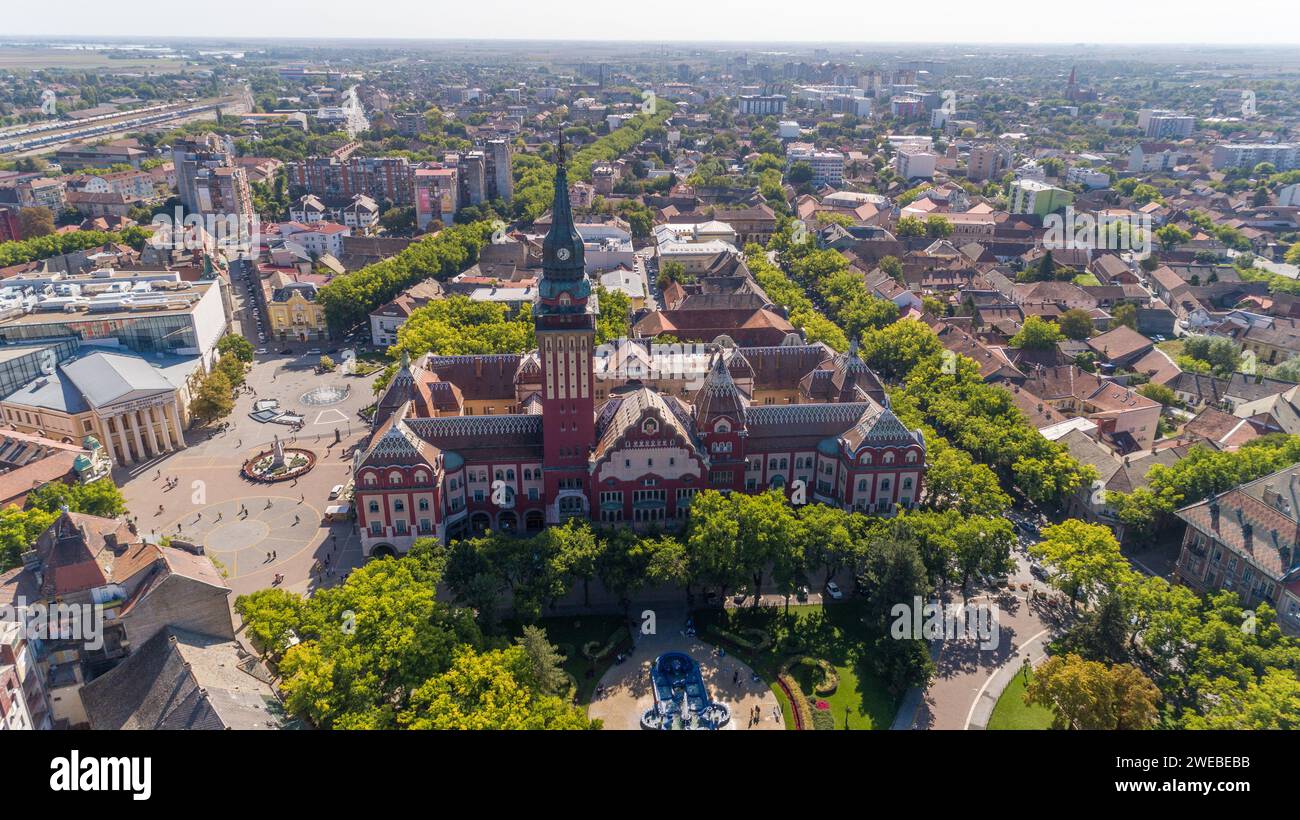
{"type": "Point", "coordinates": [1010, 22]}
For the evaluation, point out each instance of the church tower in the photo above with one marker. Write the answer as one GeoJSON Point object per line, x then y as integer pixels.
{"type": "Point", "coordinates": [565, 320]}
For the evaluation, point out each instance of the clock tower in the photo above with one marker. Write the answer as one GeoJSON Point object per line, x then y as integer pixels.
{"type": "Point", "coordinates": [565, 320]}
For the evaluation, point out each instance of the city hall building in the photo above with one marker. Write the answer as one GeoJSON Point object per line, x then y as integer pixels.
{"type": "Point", "coordinates": [575, 436]}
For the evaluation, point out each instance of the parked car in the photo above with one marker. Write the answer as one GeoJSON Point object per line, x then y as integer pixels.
{"type": "Point", "coordinates": [1038, 571]}
{"type": "Point", "coordinates": [336, 491]}
{"type": "Point", "coordinates": [801, 594]}
{"type": "Point", "coordinates": [833, 590]}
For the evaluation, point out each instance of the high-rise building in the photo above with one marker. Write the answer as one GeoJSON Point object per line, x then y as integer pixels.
{"type": "Point", "coordinates": [208, 180]}
{"type": "Point", "coordinates": [986, 162]}
{"type": "Point", "coordinates": [338, 178]}
{"type": "Point", "coordinates": [472, 168]}
{"type": "Point", "coordinates": [500, 179]}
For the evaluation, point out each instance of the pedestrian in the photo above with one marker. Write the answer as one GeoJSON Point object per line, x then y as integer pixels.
{"type": "Point", "coordinates": [274, 555]}
{"type": "Point", "coordinates": [219, 516]}
{"type": "Point", "coordinates": [268, 558]}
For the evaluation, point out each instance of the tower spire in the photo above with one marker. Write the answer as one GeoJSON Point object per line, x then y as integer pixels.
{"type": "Point", "coordinates": [562, 250]}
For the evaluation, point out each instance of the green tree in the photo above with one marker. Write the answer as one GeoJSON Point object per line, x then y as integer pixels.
{"type": "Point", "coordinates": [545, 663]}
{"type": "Point", "coordinates": [100, 497]}
{"type": "Point", "coordinates": [368, 645]}
{"type": "Point", "coordinates": [1075, 324]}
{"type": "Point", "coordinates": [272, 618]}
{"type": "Point", "coordinates": [235, 344]}
{"type": "Point", "coordinates": [212, 397]}
{"type": "Point", "coordinates": [909, 226]}
{"type": "Point", "coordinates": [489, 690]}
{"type": "Point", "coordinates": [1037, 333]}
{"type": "Point", "coordinates": [18, 531]}
{"type": "Point", "coordinates": [1171, 236]}
{"type": "Point", "coordinates": [35, 222]}
{"type": "Point", "coordinates": [1084, 559]}
{"type": "Point", "coordinates": [938, 227]}
{"type": "Point", "coordinates": [1085, 694]}
{"type": "Point", "coordinates": [1124, 314]}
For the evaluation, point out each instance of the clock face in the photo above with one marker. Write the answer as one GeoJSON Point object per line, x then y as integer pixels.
{"type": "Point", "coordinates": [562, 254]}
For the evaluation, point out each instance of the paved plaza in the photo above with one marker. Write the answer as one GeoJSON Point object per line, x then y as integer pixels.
{"type": "Point", "coordinates": [624, 691]}
{"type": "Point", "coordinates": [240, 521]}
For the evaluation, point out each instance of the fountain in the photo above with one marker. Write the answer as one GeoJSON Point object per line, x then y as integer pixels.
{"type": "Point", "coordinates": [681, 699]}
{"type": "Point", "coordinates": [280, 463]}
{"type": "Point", "coordinates": [325, 395]}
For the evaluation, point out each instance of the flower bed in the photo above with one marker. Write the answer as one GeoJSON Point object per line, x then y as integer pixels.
{"type": "Point", "coordinates": [799, 706]}
{"type": "Point", "coordinates": [822, 719]}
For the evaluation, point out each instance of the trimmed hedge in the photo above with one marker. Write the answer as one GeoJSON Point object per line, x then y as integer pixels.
{"type": "Point", "coordinates": [830, 679]}
{"type": "Point", "coordinates": [594, 651]}
{"type": "Point", "coordinates": [757, 641]}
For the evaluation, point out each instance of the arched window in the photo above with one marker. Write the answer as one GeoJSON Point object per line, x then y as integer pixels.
{"type": "Point", "coordinates": [911, 456]}
{"type": "Point", "coordinates": [374, 506]}
{"type": "Point", "coordinates": [424, 504]}
{"type": "Point", "coordinates": [499, 475]}
{"type": "Point", "coordinates": [510, 474]}
{"type": "Point", "coordinates": [866, 458]}
{"type": "Point", "coordinates": [394, 477]}
{"type": "Point", "coordinates": [370, 479]}
{"type": "Point", "coordinates": [421, 476]}
{"type": "Point", "coordinates": [399, 505]}
{"type": "Point", "coordinates": [907, 484]}
{"type": "Point", "coordinates": [889, 458]}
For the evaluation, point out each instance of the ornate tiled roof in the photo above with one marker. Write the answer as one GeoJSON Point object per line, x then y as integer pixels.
{"type": "Point", "coordinates": [631, 409]}
{"type": "Point", "coordinates": [878, 426]}
{"type": "Point", "coordinates": [461, 426]}
{"type": "Point", "coordinates": [719, 395]}
{"type": "Point", "coordinates": [782, 415]}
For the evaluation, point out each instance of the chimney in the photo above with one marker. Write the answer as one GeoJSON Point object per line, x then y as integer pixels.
{"type": "Point", "coordinates": [1248, 536]}
{"type": "Point", "coordinates": [1214, 514]}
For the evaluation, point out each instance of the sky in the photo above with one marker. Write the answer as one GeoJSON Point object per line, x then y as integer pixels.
{"type": "Point", "coordinates": [894, 21]}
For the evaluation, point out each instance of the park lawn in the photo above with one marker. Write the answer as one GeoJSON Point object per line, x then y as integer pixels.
{"type": "Point", "coordinates": [832, 633]}
{"type": "Point", "coordinates": [1173, 348]}
{"type": "Point", "coordinates": [1011, 711]}
{"type": "Point", "coordinates": [569, 633]}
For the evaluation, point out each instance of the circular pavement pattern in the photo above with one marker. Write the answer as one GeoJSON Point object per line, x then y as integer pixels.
{"type": "Point", "coordinates": [242, 542]}
{"type": "Point", "coordinates": [325, 395]}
